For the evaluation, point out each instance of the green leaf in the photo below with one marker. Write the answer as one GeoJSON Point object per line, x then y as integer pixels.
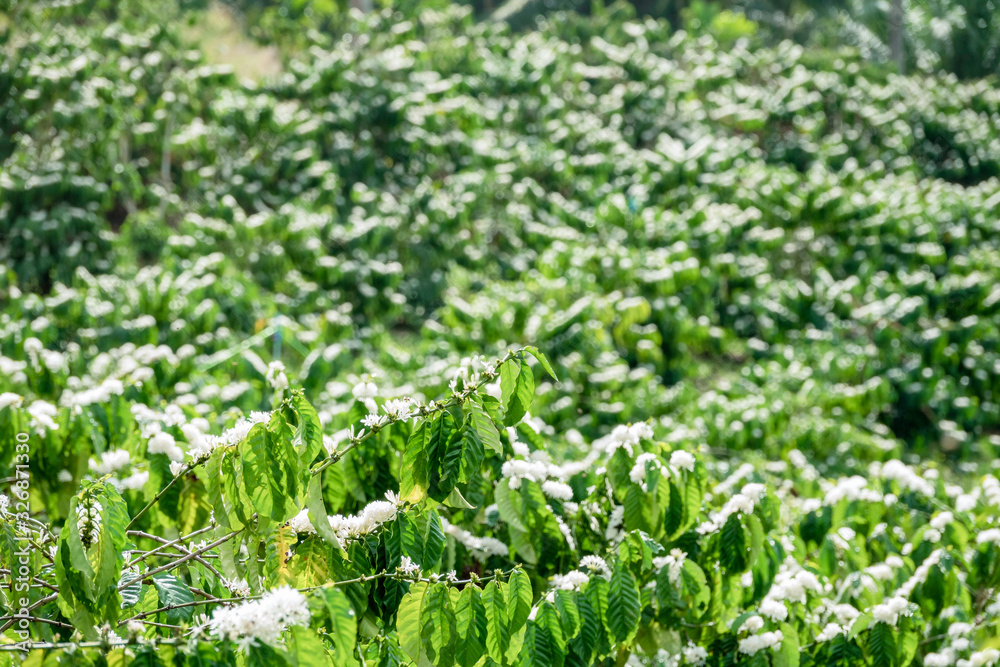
{"type": "Point", "coordinates": [444, 456]}
{"type": "Point", "coordinates": [733, 545]}
{"type": "Point", "coordinates": [519, 596]}
{"type": "Point", "coordinates": [505, 505]}
{"type": "Point", "coordinates": [788, 654]}
{"type": "Point", "coordinates": [173, 591]}
{"type": "Point", "coordinates": [497, 622]}
{"type": "Point", "coordinates": [317, 511]}
{"type": "Point", "coordinates": [544, 645]}
{"type": "Point", "coordinates": [542, 359]}
{"type": "Point", "coordinates": [569, 613]}
{"type": "Point", "coordinates": [587, 639]}
{"type": "Point", "coordinates": [308, 431]}
{"type": "Point", "coordinates": [305, 648]}
{"type": "Point", "coordinates": [472, 450]}
{"type": "Point", "coordinates": [470, 622]}
{"type": "Point", "coordinates": [270, 473]}
{"type": "Point", "coordinates": [438, 633]}
{"type": "Point", "coordinates": [344, 624]}
{"type": "Point", "coordinates": [880, 647]}
{"type": "Point", "coordinates": [623, 605]}
{"type": "Point", "coordinates": [509, 371]}
{"type": "Point", "coordinates": [520, 400]}
{"type": "Point", "coordinates": [484, 425]}
{"type": "Point", "coordinates": [434, 541]}
{"type": "Point", "coordinates": [413, 476]}
{"type": "Point", "coordinates": [408, 621]}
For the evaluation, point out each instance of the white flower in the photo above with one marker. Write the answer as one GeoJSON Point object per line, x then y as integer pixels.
{"type": "Point", "coordinates": [238, 587]}
{"type": "Point", "coordinates": [831, 631]}
{"type": "Point", "coordinates": [755, 643]}
{"type": "Point", "coordinates": [300, 523]}
{"type": "Point", "coordinates": [595, 564]}
{"type": "Point", "coordinates": [374, 421]}
{"type": "Point", "coordinates": [163, 443]}
{"type": "Point", "coordinates": [682, 460]}
{"type": "Point", "coordinates": [958, 629]}
{"type": "Point", "coordinates": [397, 408]}
{"type": "Point", "coordinates": [65, 476]}
{"type": "Point", "coordinates": [276, 376]}
{"type": "Point", "coordinates": [845, 613]}
{"type": "Point", "coordinates": [4, 503]}
{"type": "Point", "coordinates": [946, 658]}
{"type": "Point", "coordinates": [480, 547]}
{"type": "Point", "coordinates": [42, 415]}
{"type": "Point", "coordinates": [941, 521]}
{"type": "Point", "coordinates": [261, 620]}
{"type": "Point", "coordinates": [557, 490]}
{"type": "Point", "coordinates": [572, 580]}
{"type": "Point", "coordinates": [695, 655]}
{"type": "Point", "coordinates": [751, 625]}
{"type": "Point", "coordinates": [889, 611]}
{"type": "Point", "coordinates": [774, 610]}
{"type": "Point", "coordinates": [983, 658]}
{"type": "Point", "coordinates": [880, 571]}
{"type": "Point", "coordinates": [136, 481]}
{"type": "Point", "coordinates": [408, 567]}
{"type": "Point", "coordinates": [7, 398]}
{"type": "Point", "coordinates": [674, 562]}
{"type": "Point", "coordinates": [177, 467]}
{"type": "Point", "coordinates": [111, 462]}
{"type": "Point", "coordinates": [365, 389]}
{"type": "Point", "coordinates": [991, 536]}
{"type": "Point", "coordinates": [626, 437]}
{"type": "Point", "coordinates": [380, 511]}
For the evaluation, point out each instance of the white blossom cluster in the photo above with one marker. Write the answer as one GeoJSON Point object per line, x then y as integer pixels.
{"type": "Point", "coordinates": [573, 580]}
{"type": "Point", "coordinates": [481, 548]}
{"type": "Point", "coordinates": [367, 521]}
{"type": "Point", "coordinates": [766, 640]}
{"type": "Point", "coordinates": [164, 443]}
{"type": "Point", "coordinates": [743, 502]}
{"type": "Point", "coordinates": [596, 564]}
{"type": "Point", "coordinates": [201, 445]}
{"type": "Point", "coordinates": [111, 462]}
{"type": "Point", "coordinates": [276, 376]}
{"type": "Point", "coordinates": [888, 612]}
{"type": "Point", "coordinates": [408, 567]}
{"type": "Point", "coordinates": [261, 620]}
{"type": "Point", "coordinates": [625, 437]}
{"type": "Point", "coordinates": [674, 562]}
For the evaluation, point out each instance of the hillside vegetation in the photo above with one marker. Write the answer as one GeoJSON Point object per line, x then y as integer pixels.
{"type": "Point", "coordinates": [281, 325]}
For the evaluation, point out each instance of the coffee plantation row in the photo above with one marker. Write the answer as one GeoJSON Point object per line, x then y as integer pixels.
{"type": "Point", "coordinates": [452, 345]}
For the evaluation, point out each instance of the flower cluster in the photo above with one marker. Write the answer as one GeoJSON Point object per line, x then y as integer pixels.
{"type": "Point", "coordinates": [261, 620]}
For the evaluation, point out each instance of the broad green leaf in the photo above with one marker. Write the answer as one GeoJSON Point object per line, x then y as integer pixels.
{"type": "Point", "coordinates": [520, 400]}
{"type": "Point", "coordinates": [470, 622]}
{"type": "Point", "coordinates": [414, 476]}
{"type": "Point", "coordinates": [497, 622]}
{"type": "Point", "coordinates": [408, 623]}
{"type": "Point", "coordinates": [438, 632]}
{"type": "Point", "coordinates": [519, 597]}
{"type": "Point", "coordinates": [317, 511]}
{"type": "Point", "coordinates": [542, 359]}
{"type": "Point", "coordinates": [172, 591]}
{"type": "Point", "coordinates": [484, 425]}
{"type": "Point", "coordinates": [623, 605]}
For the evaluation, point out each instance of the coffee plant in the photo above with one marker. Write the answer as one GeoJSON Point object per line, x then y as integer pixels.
{"type": "Point", "coordinates": [595, 344]}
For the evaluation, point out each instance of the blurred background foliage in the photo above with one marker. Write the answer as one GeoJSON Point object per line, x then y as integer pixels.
{"type": "Point", "coordinates": [956, 36]}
